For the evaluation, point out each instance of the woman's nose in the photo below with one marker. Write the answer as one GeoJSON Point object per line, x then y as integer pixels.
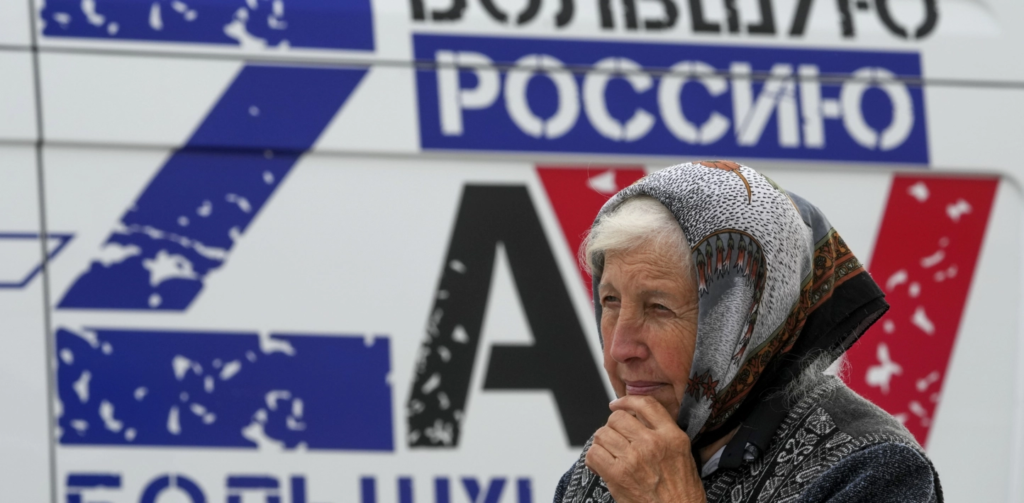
{"type": "Point", "coordinates": [628, 341]}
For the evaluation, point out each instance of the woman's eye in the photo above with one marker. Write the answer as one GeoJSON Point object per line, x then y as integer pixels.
{"type": "Point", "coordinates": [659, 307]}
{"type": "Point", "coordinates": [608, 299]}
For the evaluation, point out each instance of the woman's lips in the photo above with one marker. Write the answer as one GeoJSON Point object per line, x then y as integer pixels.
{"type": "Point", "coordinates": [642, 387]}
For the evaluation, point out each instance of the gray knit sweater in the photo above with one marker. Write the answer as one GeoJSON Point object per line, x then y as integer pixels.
{"type": "Point", "coordinates": [833, 446]}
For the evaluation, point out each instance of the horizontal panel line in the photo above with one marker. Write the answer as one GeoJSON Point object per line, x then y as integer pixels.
{"type": "Point", "coordinates": [548, 158]}
{"type": "Point", "coordinates": [431, 65]}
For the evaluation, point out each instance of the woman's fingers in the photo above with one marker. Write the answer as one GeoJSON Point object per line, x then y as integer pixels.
{"type": "Point", "coordinates": [611, 440]}
{"type": "Point", "coordinates": [646, 409]}
{"type": "Point", "coordinates": [627, 425]}
{"type": "Point", "coordinates": [599, 460]}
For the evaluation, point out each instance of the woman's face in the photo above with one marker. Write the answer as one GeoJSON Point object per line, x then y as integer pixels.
{"type": "Point", "coordinates": [649, 323]}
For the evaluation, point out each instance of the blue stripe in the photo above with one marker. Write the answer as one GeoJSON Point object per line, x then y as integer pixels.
{"type": "Point", "coordinates": [252, 482]}
{"type": "Point", "coordinates": [94, 480]}
{"type": "Point", "coordinates": [186, 221]}
{"type": "Point", "coordinates": [63, 239]}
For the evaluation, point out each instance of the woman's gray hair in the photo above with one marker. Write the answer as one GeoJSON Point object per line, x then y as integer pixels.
{"type": "Point", "coordinates": [638, 221]}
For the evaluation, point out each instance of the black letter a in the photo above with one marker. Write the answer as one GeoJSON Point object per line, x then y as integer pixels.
{"type": "Point", "coordinates": [560, 360]}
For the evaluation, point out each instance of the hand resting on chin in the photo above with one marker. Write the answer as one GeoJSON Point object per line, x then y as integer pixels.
{"type": "Point", "coordinates": [643, 456]}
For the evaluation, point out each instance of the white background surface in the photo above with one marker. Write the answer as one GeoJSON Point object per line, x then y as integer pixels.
{"type": "Point", "coordinates": [331, 252]}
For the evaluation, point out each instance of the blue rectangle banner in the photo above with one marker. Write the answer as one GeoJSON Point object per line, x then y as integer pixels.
{"type": "Point", "coordinates": [541, 95]}
{"type": "Point", "coordinates": [221, 389]}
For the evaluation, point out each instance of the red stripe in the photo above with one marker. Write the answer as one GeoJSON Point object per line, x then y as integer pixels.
{"type": "Point", "coordinates": [577, 194]}
{"type": "Point", "coordinates": [924, 259]}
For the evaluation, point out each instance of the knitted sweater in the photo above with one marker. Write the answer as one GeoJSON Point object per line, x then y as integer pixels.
{"type": "Point", "coordinates": [833, 446]}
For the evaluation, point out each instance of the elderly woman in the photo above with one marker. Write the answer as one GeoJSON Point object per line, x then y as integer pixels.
{"type": "Point", "coordinates": [721, 299]}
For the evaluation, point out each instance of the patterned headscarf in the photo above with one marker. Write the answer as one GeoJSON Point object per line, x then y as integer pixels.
{"type": "Point", "coordinates": [777, 288]}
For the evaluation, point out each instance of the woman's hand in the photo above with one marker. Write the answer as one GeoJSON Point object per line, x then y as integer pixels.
{"type": "Point", "coordinates": [643, 456]}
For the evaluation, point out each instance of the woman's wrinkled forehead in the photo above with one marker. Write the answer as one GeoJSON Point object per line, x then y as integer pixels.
{"type": "Point", "coordinates": [646, 263]}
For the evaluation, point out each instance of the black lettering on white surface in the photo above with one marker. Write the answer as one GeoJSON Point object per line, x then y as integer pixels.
{"type": "Point", "coordinates": [803, 10]}
{"type": "Point", "coordinates": [457, 8]}
{"type": "Point", "coordinates": [560, 360]}
{"type": "Point", "coordinates": [452, 13]}
{"type": "Point", "coordinates": [767, 24]}
{"type": "Point", "coordinates": [668, 15]}
{"type": "Point", "coordinates": [926, 27]}
{"type": "Point", "coordinates": [700, 24]}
